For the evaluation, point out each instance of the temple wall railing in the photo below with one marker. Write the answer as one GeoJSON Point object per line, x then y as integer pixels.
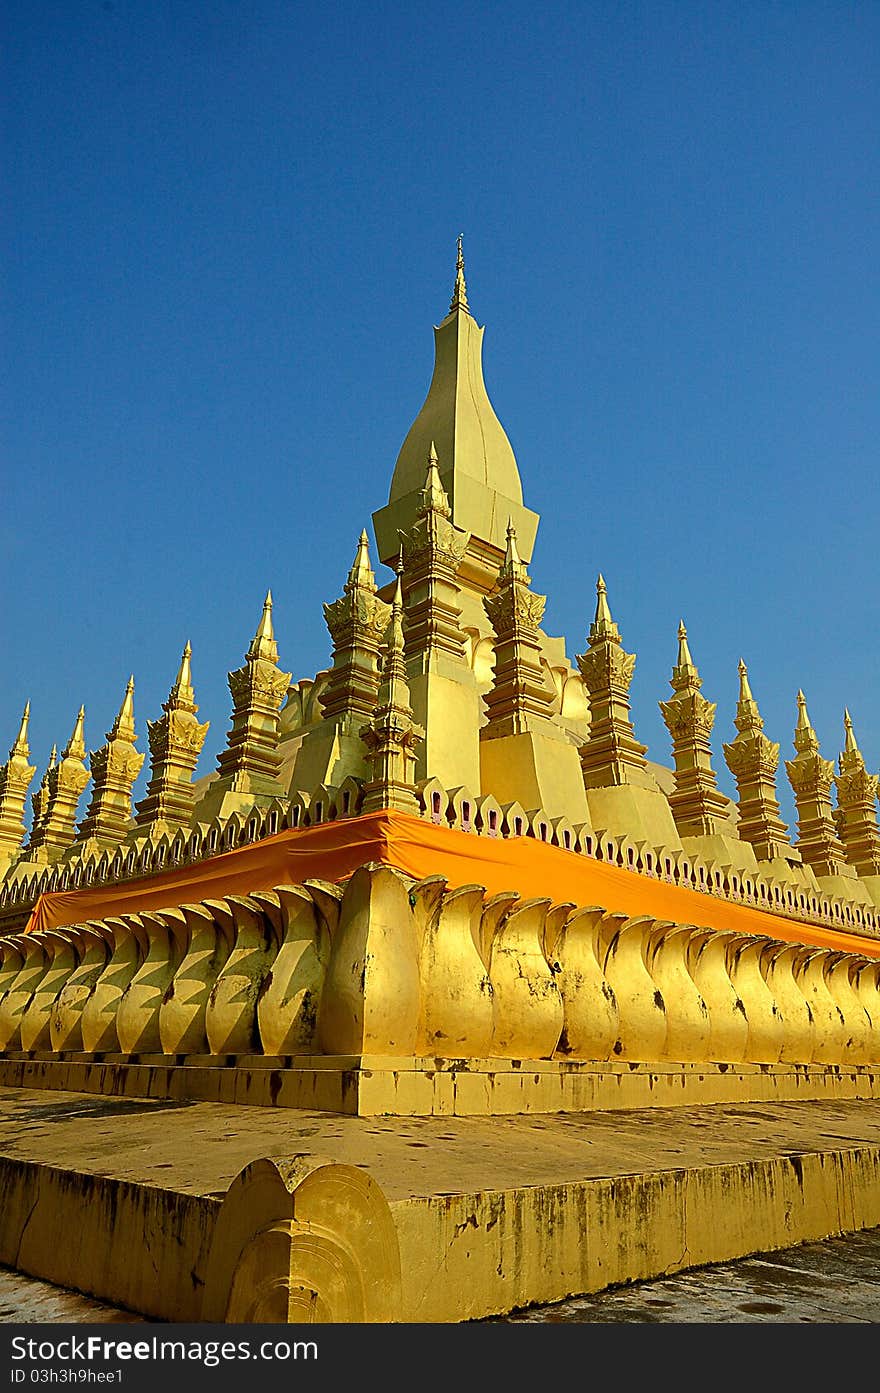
{"type": "Point", "coordinates": [387, 965]}
{"type": "Point", "coordinates": [480, 815]}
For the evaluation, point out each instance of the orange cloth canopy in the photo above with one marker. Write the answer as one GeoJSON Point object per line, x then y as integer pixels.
{"type": "Point", "coordinates": [333, 850]}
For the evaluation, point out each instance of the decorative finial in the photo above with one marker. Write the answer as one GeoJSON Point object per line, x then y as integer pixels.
{"type": "Point", "coordinates": [745, 691]}
{"type": "Point", "coordinates": [361, 573]}
{"type": "Point", "coordinates": [851, 746]}
{"type": "Point", "coordinates": [684, 652]}
{"type": "Point", "coordinates": [434, 496]}
{"type": "Point", "coordinates": [459, 295]}
{"type": "Point", "coordinates": [393, 667]}
{"type": "Point", "coordinates": [182, 693]}
{"type": "Point", "coordinates": [53, 758]}
{"type": "Point", "coordinates": [123, 727]}
{"type": "Point", "coordinates": [263, 644]}
{"type": "Point", "coordinates": [748, 717]}
{"type": "Point", "coordinates": [685, 675]}
{"type": "Point", "coordinates": [20, 749]}
{"type": "Point", "coordinates": [806, 742]}
{"type": "Point", "coordinates": [513, 563]}
{"type": "Point", "coordinates": [603, 626]}
{"type": "Point", "coordinates": [76, 745]}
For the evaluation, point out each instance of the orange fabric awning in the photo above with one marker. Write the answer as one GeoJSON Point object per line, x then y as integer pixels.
{"type": "Point", "coordinates": [333, 850]}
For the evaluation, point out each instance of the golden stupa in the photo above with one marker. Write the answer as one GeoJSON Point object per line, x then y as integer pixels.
{"type": "Point", "coordinates": [438, 895]}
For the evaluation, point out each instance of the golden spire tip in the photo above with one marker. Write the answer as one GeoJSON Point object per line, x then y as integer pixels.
{"type": "Point", "coordinates": [459, 294]}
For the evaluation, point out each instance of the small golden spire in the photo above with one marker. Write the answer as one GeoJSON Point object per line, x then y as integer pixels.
{"type": "Point", "coordinates": [76, 745]}
{"type": "Point", "coordinates": [748, 717]}
{"type": "Point", "coordinates": [53, 758]}
{"type": "Point", "coordinates": [685, 674]}
{"type": "Point", "coordinates": [393, 687]}
{"type": "Point", "coordinates": [684, 653]}
{"type": "Point", "coordinates": [20, 749]}
{"type": "Point", "coordinates": [745, 691]}
{"type": "Point", "coordinates": [805, 739]}
{"type": "Point", "coordinates": [851, 746]}
{"type": "Point", "coordinates": [459, 295]}
{"type": "Point", "coordinates": [361, 573]}
{"type": "Point", "coordinates": [182, 696]}
{"type": "Point", "coordinates": [263, 644]}
{"type": "Point", "coordinates": [513, 564]}
{"type": "Point", "coordinates": [603, 626]}
{"type": "Point", "coordinates": [434, 496]}
{"type": "Point", "coordinates": [395, 642]}
{"type": "Point", "coordinates": [397, 601]}
{"type": "Point", "coordinates": [123, 727]}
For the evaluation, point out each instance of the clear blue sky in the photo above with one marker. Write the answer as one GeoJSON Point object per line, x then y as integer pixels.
{"type": "Point", "coordinates": [228, 228]}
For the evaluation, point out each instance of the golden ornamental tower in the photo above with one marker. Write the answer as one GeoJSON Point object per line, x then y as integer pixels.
{"type": "Point", "coordinates": [811, 778]}
{"type": "Point", "coordinates": [622, 795]}
{"type": "Point", "coordinates": [392, 736]}
{"type": "Point", "coordinates": [176, 740]}
{"type": "Point", "coordinates": [358, 622]}
{"type": "Point", "coordinates": [612, 750]}
{"type": "Point", "coordinates": [857, 807]}
{"type": "Point", "coordinates": [115, 766]}
{"type": "Point", "coordinates": [752, 760]}
{"type": "Point", "coordinates": [40, 799]}
{"type": "Point", "coordinates": [55, 820]}
{"type": "Point", "coordinates": [15, 777]}
{"type": "Point", "coordinates": [526, 755]}
{"type": "Point", "coordinates": [443, 689]}
{"type": "Point", "coordinates": [697, 806]}
{"type": "Point", "coordinates": [250, 765]}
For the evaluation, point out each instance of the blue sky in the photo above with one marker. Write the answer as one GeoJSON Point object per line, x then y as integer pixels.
{"type": "Point", "coordinates": [228, 228]}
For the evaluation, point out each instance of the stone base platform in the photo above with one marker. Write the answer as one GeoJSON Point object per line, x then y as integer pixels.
{"type": "Point", "coordinates": [167, 1207]}
{"type": "Point", "coordinates": [379, 1085]}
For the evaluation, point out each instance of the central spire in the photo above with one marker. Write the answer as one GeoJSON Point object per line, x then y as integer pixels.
{"type": "Point", "coordinates": [459, 294]}
{"type": "Point", "coordinates": [477, 467]}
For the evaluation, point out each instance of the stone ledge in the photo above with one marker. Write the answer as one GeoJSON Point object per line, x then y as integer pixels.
{"type": "Point", "coordinates": [492, 1216]}
{"type": "Point", "coordinates": [376, 1085]}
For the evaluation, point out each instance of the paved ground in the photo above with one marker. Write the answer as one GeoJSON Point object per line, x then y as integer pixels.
{"type": "Point", "coordinates": [203, 1146]}
{"type": "Point", "coordinates": [837, 1281]}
